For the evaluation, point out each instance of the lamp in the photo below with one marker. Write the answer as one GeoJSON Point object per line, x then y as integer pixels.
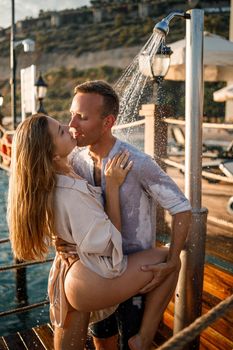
{"type": "Point", "coordinates": [155, 66]}
{"type": "Point", "coordinates": [161, 62]}
{"type": "Point", "coordinates": [40, 91]}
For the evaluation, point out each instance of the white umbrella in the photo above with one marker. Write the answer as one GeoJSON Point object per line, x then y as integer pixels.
{"type": "Point", "coordinates": [224, 94]}
{"type": "Point", "coordinates": [218, 59]}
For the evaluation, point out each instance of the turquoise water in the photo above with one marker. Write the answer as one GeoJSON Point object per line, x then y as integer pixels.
{"type": "Point", "coordinates": [36, 280]}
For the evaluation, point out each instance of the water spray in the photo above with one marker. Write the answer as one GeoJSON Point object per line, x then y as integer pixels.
{"type": "Point", "coordinates": [154, 60]}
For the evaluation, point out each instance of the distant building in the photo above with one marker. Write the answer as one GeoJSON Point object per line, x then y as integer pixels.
{"type": "Point", "coordinates": [107, 10]}
{"type": "Point", "coordinates": [33, 23]}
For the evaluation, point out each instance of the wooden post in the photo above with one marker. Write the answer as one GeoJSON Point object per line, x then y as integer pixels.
{"type": "Point", "coordinates": [156, 146]}
{"type": "Point", "coordinates": [155, 131]}
{"type": "Point", "coordinates": [149, 136]}
{"type": "Point", "coordinates": [21, 285]}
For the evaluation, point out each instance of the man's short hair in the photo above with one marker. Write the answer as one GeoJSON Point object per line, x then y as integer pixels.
{"type": "Point", "coordinates": [110, 97]}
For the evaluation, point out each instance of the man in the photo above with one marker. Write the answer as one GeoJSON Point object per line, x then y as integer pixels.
{"type": "Point", "coordinates": [94, 110]}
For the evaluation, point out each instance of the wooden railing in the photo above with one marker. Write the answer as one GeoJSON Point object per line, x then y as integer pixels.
{"type": "Point", "coordinates": [155, 137]}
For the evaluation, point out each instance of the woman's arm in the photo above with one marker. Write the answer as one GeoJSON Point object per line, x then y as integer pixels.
{"type": "Point", "coordinates": [116, 171]}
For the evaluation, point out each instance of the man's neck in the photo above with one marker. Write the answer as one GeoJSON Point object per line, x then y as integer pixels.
{"type": "Point", "coordinates": [101, 149]}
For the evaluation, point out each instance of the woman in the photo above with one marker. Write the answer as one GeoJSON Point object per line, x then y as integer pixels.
{"type": "Point", "coordinates": [46, 200]}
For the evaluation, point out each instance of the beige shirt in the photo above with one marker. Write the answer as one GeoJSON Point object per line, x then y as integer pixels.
{"type": "Point", "coordinates": [80, 220]}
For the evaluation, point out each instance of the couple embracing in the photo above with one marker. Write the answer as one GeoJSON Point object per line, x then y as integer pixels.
{"type": "Point", "coordinates": [93, 195]}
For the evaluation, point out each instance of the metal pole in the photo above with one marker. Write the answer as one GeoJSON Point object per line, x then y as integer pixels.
{"type": "Point", "coordinates": [194, 107]}
{"type": "Point", "coordinates": [229, 103]}
{"type": "Point", "coordinates": [13, 66]}
{"type": "Point", "coordinates": [188, 296]}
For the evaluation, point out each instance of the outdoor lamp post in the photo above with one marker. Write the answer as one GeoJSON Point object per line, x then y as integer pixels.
{"type": "Point", "coordinates": [161, 62]}
{"type": "Point", "coordinates": [40, 91]}
{"type": "Point", "coordinates": [155, 66]}
{"type": "Point", "coordinates": [159, 68]}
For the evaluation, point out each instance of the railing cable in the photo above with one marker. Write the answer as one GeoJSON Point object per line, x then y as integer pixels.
{"type": "Point", "coordinates": [23, 308]}
{"type": "Point", "coordinates": [204, 173]}
{"type": "Point", "coordinates": [20, 265]}
{"type": "Point", "coordinates": [4, 240]}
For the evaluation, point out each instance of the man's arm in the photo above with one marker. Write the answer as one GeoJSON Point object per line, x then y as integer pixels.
{"type": "Point", "coordinates": [163, 190]}
{"type": "Point", "coordinates": [180, 227]}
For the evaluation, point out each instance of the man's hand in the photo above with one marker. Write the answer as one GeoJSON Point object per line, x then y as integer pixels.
{"type": "Point", "coordinates": [67, 251]}
{"type": "Point", "coordinates": [160, 271]}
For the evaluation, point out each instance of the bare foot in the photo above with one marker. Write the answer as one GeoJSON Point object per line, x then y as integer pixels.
{"type": "Point", "coordinates": [135, 343]}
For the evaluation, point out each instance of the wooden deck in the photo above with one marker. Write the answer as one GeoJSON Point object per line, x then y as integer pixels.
{"type": "Point", "coordinates": [39, 338]}
{"type": "Point", "coordinates": [218, 285]}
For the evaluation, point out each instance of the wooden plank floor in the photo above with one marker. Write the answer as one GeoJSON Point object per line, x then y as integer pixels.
{"type": "Point", "coordinates": [218, 285]}
{"type": "Point", "coordinates": [37, 338]}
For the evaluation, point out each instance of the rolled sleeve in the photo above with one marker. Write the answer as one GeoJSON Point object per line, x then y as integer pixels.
{"type": "Point", "coordinates": [162, 188]}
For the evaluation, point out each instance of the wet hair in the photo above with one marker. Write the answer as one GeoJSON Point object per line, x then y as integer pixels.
{"type": "Point", "coordinates": [32, 181]}
{"type": "Point", "coordinates": [110, 97]}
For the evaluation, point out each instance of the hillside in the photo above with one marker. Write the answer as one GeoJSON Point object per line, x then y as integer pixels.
{"type": "Point", "coordinates": [75, 52]}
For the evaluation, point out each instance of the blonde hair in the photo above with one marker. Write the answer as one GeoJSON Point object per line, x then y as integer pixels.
{"type": "Point", "coordinates": [32, 181]}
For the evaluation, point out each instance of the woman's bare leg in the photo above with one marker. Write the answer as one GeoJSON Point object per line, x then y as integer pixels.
{"type": "Point", "coordinates": [87, 291]}
{"type": "Point", "coordinates": [73, 335]}
{"type": "Point", "coordinates": [155, 305]}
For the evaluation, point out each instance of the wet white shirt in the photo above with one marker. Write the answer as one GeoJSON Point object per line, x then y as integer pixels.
{"type": "Point", "coordinates": [145, 185]}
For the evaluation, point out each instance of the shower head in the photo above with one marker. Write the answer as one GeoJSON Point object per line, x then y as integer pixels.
{"type": "Point", "coordinates": [163, 25]}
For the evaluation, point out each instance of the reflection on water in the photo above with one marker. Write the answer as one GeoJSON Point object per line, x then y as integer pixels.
{"type": "Point", "coordinates": [36, 280]}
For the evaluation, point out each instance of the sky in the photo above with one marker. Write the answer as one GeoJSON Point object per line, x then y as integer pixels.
{"type": "Point", "coordinates": [31, 8]}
